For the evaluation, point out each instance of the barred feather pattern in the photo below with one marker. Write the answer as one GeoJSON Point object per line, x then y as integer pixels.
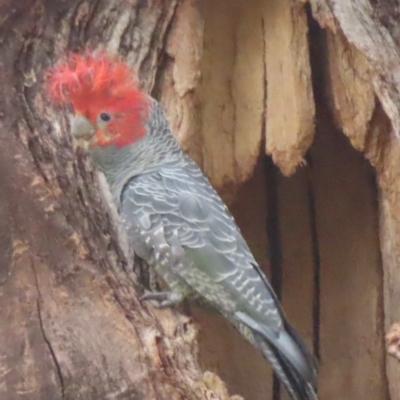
{"type": "Point", "coordinates": [177, 223]}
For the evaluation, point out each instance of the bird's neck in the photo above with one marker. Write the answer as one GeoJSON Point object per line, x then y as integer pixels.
{"type": "Point", "coordinates": [148, 154]}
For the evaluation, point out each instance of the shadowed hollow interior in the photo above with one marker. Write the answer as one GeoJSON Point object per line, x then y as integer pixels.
{"type": "Point", "coordinates": [316, 236]}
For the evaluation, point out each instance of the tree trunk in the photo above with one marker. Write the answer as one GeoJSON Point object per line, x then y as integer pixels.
{"type": "Point", "coordinates": [316, 85]}
{"type": "Point", "coordinates": [71, 325]}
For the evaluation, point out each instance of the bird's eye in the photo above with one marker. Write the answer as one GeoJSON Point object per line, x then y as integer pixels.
{"type": "Point", "coordinates": [105, 117]}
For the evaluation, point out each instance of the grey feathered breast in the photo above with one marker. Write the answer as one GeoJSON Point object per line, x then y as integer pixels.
{"type": "Point", "coordinates": [178, 198]}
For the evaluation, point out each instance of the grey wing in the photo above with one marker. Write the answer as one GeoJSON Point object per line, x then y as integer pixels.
{"type": "Point", "coordinates": [180, 210]}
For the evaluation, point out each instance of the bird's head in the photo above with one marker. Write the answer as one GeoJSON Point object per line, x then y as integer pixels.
{"type": "Point", "coordinates": [124, 129]}
{"type": "Point", "coordinates": [110, 110]}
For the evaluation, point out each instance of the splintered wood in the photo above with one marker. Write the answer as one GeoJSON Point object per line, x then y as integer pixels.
{"type": "Point", "coordinates": [233, 71]}
{"type": "Point", "coordinates": [254, 58]}
{"type": "Point", "coordinates": [238, 74]}
{"type": "Point", "coordinates": [181, 77]}
{"type": "Point", "coordinates": [352, 93]}
{"type": "Point", "coordinates": [290, 105]}
{"type": "Point", "coordinates": [363, 61]}
{"type": "Point", "coordinates": [373, 29]}
{"type": "Point", "coordinates": [393, 341]}
{"type": "Point", "coordinates": [213, 86]}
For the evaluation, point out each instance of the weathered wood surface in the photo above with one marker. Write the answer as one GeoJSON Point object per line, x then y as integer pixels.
{"type": "Point", "coordinates": [363, 63]}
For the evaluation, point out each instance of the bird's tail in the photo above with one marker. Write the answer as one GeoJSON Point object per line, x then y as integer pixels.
{"type": "Point", "coordinates": [295, 367]}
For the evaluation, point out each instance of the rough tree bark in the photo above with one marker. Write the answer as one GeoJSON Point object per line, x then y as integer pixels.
{"type": "Point", "coordinates": [71, 325]}
{"type": "Point", "coordinates": [235, 77]}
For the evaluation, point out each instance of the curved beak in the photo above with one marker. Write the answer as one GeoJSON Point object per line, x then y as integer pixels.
{"type": "Point", "coordinates": [82, 129]}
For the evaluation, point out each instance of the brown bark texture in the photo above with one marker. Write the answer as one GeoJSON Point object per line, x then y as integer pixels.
{"type": "Point", "coordinates": [71, 325]}
{"type": "Point", "coordinates": [292, 109]}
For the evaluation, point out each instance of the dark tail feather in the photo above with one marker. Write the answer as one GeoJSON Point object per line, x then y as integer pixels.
{"type": "Point", "coordinates": [297, 385]}
{"type": "Point", "coordinates": [312, 361]}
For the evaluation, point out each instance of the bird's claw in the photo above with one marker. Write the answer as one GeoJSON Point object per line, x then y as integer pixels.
{"type": "Point", "coordinates": [164, 299]}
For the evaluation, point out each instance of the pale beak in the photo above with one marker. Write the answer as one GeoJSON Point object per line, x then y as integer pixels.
{"type": "Point", "coordinates": [82, 130]}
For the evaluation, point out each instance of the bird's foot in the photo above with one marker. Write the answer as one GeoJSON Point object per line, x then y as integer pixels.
{"type": "Point", "coordinates": [164, 299]}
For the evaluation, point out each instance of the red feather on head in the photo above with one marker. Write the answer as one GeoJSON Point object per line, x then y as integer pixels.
{"type": "Point", "coordinates": [95, 82]}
